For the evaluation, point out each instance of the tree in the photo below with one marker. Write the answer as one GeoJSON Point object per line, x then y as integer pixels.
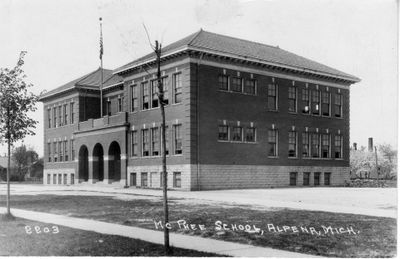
{"type": "Point", "coordinates": [24, 158]}
{"type": "Point", "coordinates": [15, 104]}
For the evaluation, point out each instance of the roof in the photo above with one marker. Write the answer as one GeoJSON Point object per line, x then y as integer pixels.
{"type": "Point", "coordinates": [228, 46]}
{"type": "Point", "coordinates": [91, 80]}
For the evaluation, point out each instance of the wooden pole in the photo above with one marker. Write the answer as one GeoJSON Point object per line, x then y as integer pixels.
{"type": "Point", "coordinates": [164, 158]}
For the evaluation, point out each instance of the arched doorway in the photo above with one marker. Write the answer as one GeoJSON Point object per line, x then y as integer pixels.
{"type": "Point", "coordinates": [114, 161]}
{"type": "Point", "coordinates": [83, 164]}
{"type": "Point", "coordinates": [98, 162]}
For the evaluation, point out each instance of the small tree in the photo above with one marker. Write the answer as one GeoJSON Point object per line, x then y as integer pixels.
{"type": "Point", "coordinates": [24, 158]}
{"type": "Point", "coordinates": [15, 103]}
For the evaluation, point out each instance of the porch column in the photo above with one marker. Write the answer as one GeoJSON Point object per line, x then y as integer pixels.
{"type": "Point", "coordinates": [92, 174]}
{"type": "Point", "coordinates": [123, 162]}
{"type": "Point", "coordinates": [105, 169]}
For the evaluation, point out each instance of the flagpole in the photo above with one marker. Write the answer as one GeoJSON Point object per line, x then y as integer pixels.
{"type": "Point", "coordinates": [101, 67]}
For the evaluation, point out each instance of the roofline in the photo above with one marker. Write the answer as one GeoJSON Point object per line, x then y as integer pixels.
{"type": "Point", "coordinates": [46, 95]}
{"type": "Point", "coordinates": [116, 84]}
{"type": "Point", "coordinates": [352, 79]}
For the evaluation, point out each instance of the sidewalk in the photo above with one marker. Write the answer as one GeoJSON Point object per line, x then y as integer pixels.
{"type": "Point", "coordinates": [157, 237]}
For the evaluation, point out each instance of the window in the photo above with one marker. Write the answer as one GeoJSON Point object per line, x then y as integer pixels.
{"type": "Point", "coordinates": [134, 143]}
{"type": "Point", "coordinates": [272, 143]}
{"type": "Point", "coordinates": [54, 117]}
{"type": "Point", "coordinates": [306, 144]}
{"type": "Point", "coordinates": [65, 179]}
{"type": "Point", "coordinates": [154, 94]}
{"type": "Point", "coordinates": [60, 121]}
{"type": "Point", "coordinates": [292, 150]}
{"type": "Point", "coordinates": [54, 178]}
{"type": "Point", "coordinates": [164, 81]}
{"type": "Point", "coordinates": [250, 86]}
{"type": "Point", "coordinates": [272, 97]}
{"type": "Point", "coordinates": [223, 82]}
{"type": "Point", "coordinates": [327, 178]}
{"type": "Point", "coordinates": [250, 134]}
{"type": "Point", "coordinates": [155, 141]}
{"type": "Point", "coordinates": [72, 150]}
{"type": "Point", "coordinates": [72, 178]}
{"type": "Point", "coordinates": [145, 142]}
{"type": "Point", "coordinates": [338, 146]}
{"type": "Point", "coordinates": [49, 118]}
{"type": "Point", "coordinates": [119, 104]}
{"type": "Point", "coordinates": [315, 145]}
{"type": "Point", "coordinates": [65, 114]}
{"type": "Point", "coordinates": [55, 151]}
{"type": "Point", "coordinates": [146, 100]}
{"type": "Point", "coordinates": [305, 101]}
{"type": "Point", "coordinates": [306, 179]}
{"type": "Point", "coordinates": [316, 178]}
{"type": "Point", "coordinates": [315, 106]}
{"type": "Point", "coordinates": [326, 104]}
{"type": "Point", "coordinates": [60, 150]}
{"type": "Point", "coordinates": [292, 99]}
{"type": "Point", "coordinates": [293, 178]}
{"type": "Point", "coordinates": [223, 132]}
{"type": "Point", "coordinates": [166, 140]}
{"type": "Point", "coordinates": [236, 84]}
{"type": "Point", "coordinates": [325, 145]}
{"type": "Point", "coordinates": [177, 179]}
{"type": "Point", "coordinates": [134, 98]}
{"type": "Point", "coordinates": [236, 133]}
{"type": "Point", "coordinates": [72, 114]}
{"type": "Point", "coordinates": [49, 151]}
{"type": "Point", "coordinates": [338, 105]}
{"type": "Point", "coordinates": [161, 179]}
{"type": "Point", "coordinates": [177, 88]}
{"type": "Point", "coordinates": [48, 178]}
{"type": "Point", "coordinates": [178, 139]}
{"type": "Point", "coordinates": [66, 150]}
{"type": "Point", "coordinates": [143, 179]}
{"type": "Point", "coordinates": [59, 178]}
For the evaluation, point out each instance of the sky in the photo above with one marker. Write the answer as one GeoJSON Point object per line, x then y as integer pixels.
{"type": "Point", "coordinates": [358, 37]}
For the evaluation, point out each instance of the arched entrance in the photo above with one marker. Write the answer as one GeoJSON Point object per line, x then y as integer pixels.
{"type": "Point", "coordinates": [98, 162]}
{"type": "Point", "coordinates": [114, 161]}
{"type": "Point", "coordinates": [83, 168]}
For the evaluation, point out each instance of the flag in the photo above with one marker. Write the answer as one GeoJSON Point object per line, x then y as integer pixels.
{"type": "Point", "coordinates": [101, 42]}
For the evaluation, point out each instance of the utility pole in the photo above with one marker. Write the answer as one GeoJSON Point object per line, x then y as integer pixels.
{"type": "Point", "coordinates": [164, 158]}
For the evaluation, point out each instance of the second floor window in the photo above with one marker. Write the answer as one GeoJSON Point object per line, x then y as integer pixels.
{"type": "Point", "coordinates": [145, 142]}
{"type": "Point", "coordinates": [223, 132]}
{"type": "Point", "coordinates": [223, 82]}
{"type": "Point", "coordinates": [72, 114]}
{"type": "Point", "coordinates": [49, 151]}
{"type": "Point", "coordinates": [326, 106]}
{"type": "Point", "coordinates": [305, 101]}
{"type": "Point", "coordinates": [250, 134]}
{"type": "Point", "coordinates": [55, 151]}
{"type": "Point", "coordinates": [72, 150]}
{"type": "Point", "coordinates": [49, 117]}
{"type": "Point", "coordinates": [236, 133]}
{"type": "Point", "coordinates": [165, 89]}
{"type": "Point", "coordinates": [250, 86]}
{"type": "Point", "coordinates": [134, 98]}
{"type": "Point", "coordinates": [120, 101]}
{"type": "Point", "coordinates": [272, 143]}
{"type": "Point", "coordinates": [325, 147]}
{"type": "Point", "coordinates": [134, 143]}
{"type": "Point", "coordinates": [54, 117]}
{"type": "Point", "coordinates": [236, 84]}
{"type": "Point", "coordinates": [166, 140]}
{"type": "Point", "coordinates": [155, 141]}
{"type": "Point", "coordinates": [338, 146]}
{"type": "Point", "coordinates": [154, 94]}
{"type": "Point", "coordinates": [177, 88]}
{"type": "Point", "coordinates": [306, 144]}
{"type": "Point", "coordinates": [60, 151]}
{"type": "Point", "coordinates": [338, 105]}
{"type": "Point", "coordinates": [315, 145]}
{"type": "Point", "coordinates": [292, 99]}
{"type": "Point", "coordinates": [60, 121]}
{"type": "Point", "coordinates": [292, 149]}
{"type": "Point", "coordinates": [178, 139]}
{"type": "Point", "coordinates": [272, 97]}
{"type": "Point", "coordinates": [66, 150]}
{"type": "Point", "coordinates": [65, 114]}
{"type": "Point", "coordinates": [146, 99]}
{"type": "Point", "coordinates": [315, 105]}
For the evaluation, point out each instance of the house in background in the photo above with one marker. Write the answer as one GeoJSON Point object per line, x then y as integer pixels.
{"type": "Point", "coordinates": [239, 114]}
{"type": "Point", "coordinates": [3, 167]}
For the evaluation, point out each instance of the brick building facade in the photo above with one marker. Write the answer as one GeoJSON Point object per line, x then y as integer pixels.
{"type": "Point", "coordinates": [240, 115]}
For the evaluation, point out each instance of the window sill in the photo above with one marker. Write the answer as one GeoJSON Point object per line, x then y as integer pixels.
{"type": "Point", "coordinates": [234, 92]}
{"type": "Point", "coordinates": [236, 142]}
{"type": "Point", "coordinates": [294, 158]}
{"type": "Point", "coordinates": [273, 157]}
{"type": "Point", "coordinates": [272, 110]}
{"type": "Point", "coordinates": [294, 113]}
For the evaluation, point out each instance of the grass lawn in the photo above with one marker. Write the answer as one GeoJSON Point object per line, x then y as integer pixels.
{"type": "Point", "coordinates": [372, 237]}
{"type": "Point", "coordinates": [63, 241]}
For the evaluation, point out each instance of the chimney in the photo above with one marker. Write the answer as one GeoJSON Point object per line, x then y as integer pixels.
{"type": "Point", "coordinates": [355, 146]}
{"type": "Point", "coordinates": [370, 145]}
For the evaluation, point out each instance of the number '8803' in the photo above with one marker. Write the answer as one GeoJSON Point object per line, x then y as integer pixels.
{"type": "Point", "coordinates": [41, 230]}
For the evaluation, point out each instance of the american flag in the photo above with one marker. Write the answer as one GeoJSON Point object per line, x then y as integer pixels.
{"type": "Point", "coordinates": [101, 41]}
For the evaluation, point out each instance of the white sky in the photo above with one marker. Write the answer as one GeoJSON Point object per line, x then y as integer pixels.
{"type": "Point", "coordinates": [358, 37]}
